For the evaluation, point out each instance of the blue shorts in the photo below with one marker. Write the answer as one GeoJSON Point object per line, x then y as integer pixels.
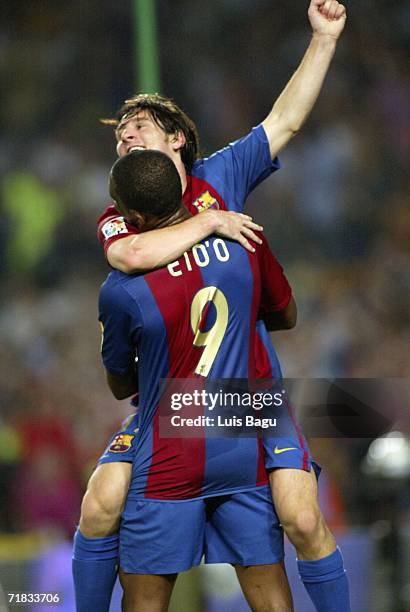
{"type": "Point", "coordinates": [167, 537]}
{"type": "Point", "coordinates": [289, 448]}
{"type": "Point", "coordinates": [123, 443]}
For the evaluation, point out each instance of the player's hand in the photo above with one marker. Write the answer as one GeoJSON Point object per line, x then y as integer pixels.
{"type": "Point", "coordinates": [239, 227]}
{"type": "Point", "coordinates": [327, 17]}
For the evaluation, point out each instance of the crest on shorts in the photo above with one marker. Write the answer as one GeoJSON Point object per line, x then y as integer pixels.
{"type": "Point", "coordinates": [121, 443]}
{"type": "Point", "coordinates": [114, 227]}
{"type": "Point", "coordinates": [205, 201]}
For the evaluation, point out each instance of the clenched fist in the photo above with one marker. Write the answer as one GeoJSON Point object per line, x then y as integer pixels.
{"type": "Point", "coordinates": [327, 17]}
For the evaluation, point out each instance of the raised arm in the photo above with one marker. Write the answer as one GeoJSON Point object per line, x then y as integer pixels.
{"type": "Point", "coordinates": [291, 109]}
{"type": "Point", "coordinates": [146, 251]}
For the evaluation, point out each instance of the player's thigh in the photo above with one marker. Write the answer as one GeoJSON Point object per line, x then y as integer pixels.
{"type": "Point", "coordinates": [265, 587]}
{"type": "Point", "coordinates": [146, 593]}
{"type": "Point", "coordinates": [294, 491]}
{"type": "Point", "coordinates": [107, 488]}
{"type": "Point", "coordinates": [109, 483]}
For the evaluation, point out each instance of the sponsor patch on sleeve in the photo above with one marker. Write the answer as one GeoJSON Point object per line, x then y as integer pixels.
{"type": "Point", "coordinates": [114, 227]}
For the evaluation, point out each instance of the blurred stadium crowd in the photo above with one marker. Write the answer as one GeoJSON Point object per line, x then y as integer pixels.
{"type": "Point", "coordinates": [336, 215]}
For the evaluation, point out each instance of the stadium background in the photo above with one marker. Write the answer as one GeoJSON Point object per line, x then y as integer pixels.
{"type": "Point", "coordinates": [336, 216]}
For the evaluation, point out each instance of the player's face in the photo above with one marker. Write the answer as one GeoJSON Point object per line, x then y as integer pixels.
{"type": "Point", "coordinates": [140, 132]}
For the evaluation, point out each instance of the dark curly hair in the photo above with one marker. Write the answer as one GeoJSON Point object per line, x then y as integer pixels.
{"type": "Point", "coordinates": [148, 182]}
{"type": "Point", "coordinates": [168, 116]}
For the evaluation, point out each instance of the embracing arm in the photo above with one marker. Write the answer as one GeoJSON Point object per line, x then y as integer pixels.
{"type": "Point", "coordinates": [282, 319]}
{"type": "Point", "coordinates": [123, 386]}
{"type": "Point", "coordinates": [149, 250]}
{"type": "Point", "coordinates": [277, 306]}
{"type": "Point", "coordinates": [291, 109]}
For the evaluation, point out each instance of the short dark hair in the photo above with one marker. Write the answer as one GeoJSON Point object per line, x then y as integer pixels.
{"type": "Point", "coordinates": [148, 182]}
{"type": "Point", "coordinates": [168, 116]}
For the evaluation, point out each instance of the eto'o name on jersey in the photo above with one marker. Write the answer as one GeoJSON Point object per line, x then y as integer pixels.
{"type": "Point", "coordinates": [200, 254]}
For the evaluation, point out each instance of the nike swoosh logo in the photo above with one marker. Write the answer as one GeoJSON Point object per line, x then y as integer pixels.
{"type": "Point", "coordinates": [283, 450]}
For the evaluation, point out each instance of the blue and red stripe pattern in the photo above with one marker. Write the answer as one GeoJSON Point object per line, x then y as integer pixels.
{"type": "Point", "coordinates": [151, 315]}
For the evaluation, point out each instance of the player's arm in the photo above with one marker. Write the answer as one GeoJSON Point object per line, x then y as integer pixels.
{"type": "Point", "coordinates": [291, 109]}
{"type": "Point", "coordinates": [123, 385]}
{"type": "Point", "coordinates": [120, 319]}
{"type": "Point", "coordinates": [282, 319]}
{"type": "Point", "coordinates": [156, 248]}
{"type": "Point", "coordinates": [277, 306]}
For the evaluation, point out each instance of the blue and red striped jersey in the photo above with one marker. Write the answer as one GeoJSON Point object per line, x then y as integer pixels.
{"type": "Point", "coordinates": [194, 318]}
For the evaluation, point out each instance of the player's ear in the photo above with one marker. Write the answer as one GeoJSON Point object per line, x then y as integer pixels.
{"type": "Point", "coordinates": [178, 140]}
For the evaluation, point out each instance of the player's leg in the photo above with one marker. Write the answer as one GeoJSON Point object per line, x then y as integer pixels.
{"type": "Point", "coordinates": [96, 541]}
{"type": "Point", "coordinates": [294, 489]}
{"type": "Point", "coordinates": [146, 593]}
{"type": "Point", "coordinates": [243, 529]}
{"type": "Point", "coordinates": [104, 499]}
{"type": "Point", "coordinates": [296, 502]}
{"type": "Point", "coordinates": [320, 562]}
{"type": "Point", "coordinates": [265, 587]}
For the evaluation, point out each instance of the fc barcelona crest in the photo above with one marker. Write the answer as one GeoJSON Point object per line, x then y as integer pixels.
{"type": "Point", "coordinates": [121, 443]}
{"type": "Point", "coordinates": [205, 201]}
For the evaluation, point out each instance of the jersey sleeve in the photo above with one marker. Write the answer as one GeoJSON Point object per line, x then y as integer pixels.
{"type": "Point", "coordinates": [118, 325]}
{"type": "Point", "coordinates": [276, 291]}
{"type": "Point", "coordinates": [238, 168]}
{"type": "Point", "coordinates": [111, 226]}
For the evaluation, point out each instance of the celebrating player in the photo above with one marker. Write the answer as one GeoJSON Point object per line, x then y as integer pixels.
{"type": "Point", "coordinates": [190, 496]}
{"type": "Point", "coordinates": [154, 122]}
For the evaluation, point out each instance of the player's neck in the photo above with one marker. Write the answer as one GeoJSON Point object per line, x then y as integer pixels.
{"type": "Point", "coordinates": [182, 172]}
